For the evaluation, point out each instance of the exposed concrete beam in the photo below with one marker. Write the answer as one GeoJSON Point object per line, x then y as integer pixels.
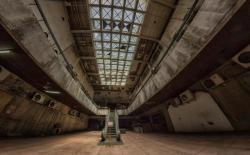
{"type": "Point", "coordinates": [94, 58]}
{"type": "Point", "coordinates": [88, 58]}
{"type": "Point", "coordinates": [92, 31]}
{"type": "Point", "coordinates": [97, 74]}
{"type": "Point", "coordinates": [82, 31]}
{"type": "Point", "coordinates": [38, 57]}
{"type": "Point", "coordinates": [203, 61]}
{"type": "Point", "coordinates": [167, 4]}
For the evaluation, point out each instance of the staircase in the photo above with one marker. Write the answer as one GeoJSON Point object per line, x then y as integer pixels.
{"type": "Point", "coordinates": [111, 132]}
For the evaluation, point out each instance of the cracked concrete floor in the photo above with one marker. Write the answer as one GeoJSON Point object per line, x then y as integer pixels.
{"type": "Point", "coordinates": [86, 143]}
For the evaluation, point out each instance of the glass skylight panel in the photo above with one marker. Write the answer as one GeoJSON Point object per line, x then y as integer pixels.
{"type": "Point", "coordinates": [106, 36]}
{"type": "Point", "coordinates": [106, 25]}
{"type": "Point", "coordinates": [126, 27]}
{"type": "Point", "coordinates": [123, 83]}
{"type": "Point", "coordinates": [96, 24]}
{"type": "Point", "coordinates": [115, 25]}
{"type": "Point", "coordinates": [94, 1]}
{"type": "Point", "coordinates": [130, 56]}
{"type": "Point", "coordinates": [120, 67]}
{"type": "Point", "coordinates": [113, 72]}
{"type": "Point", "coordinates": [126, 73]}
{"type": "Point", "coordinates": [118, 2]}
{"type": "Point", "coordinates": [107, 63]}
{"type": "Point", "coordinates": [116, 37]}
{"type": "Point", "coordinates": [97, 36]}
{"type": "Point", "coordinates": [114, 60]}
{"type": "Point", "coordinates": [135, 29]}
{"type": "Point", "coordinates": [106, 2]}
{"type": "Point", "coordinates": [128, 63]}
{"type": "Point", "coordinates": [100, 67]}
{"type": "Point", "coordinates": [98, 52]}
{"type": "Point", "coordinates": [122, 56]}
{"type": "Point", "coordinates": [128, 15]}
{"type": "Point", "coordinates": [131, 48]}
{"type": "Point", "coordinates": [108, 71]}
{"type": "Point", "coordinates": [98, 45]}
{"type": "Point", "coordinates": [106, 13]}
{"type": "Point", "coordinates": [126, 68]}
{"type": "Point", "coordinates": [115, 46]}
{"type": "Point", "coordinates": [106, 54]}
{"type": "Point", "coordinates": [101, 71]}
{"type": "Point", "coordinates": [98, 55]}
{"type": "Point", "coordinates": [133, 39]}
{"type": "Point", "coordinates": [139, 18]}
{"type": "Point", "coordinates": [121, 62]}
{"type": "Point", "coordinates": [95, 12]}
{"type": "Point", "coordinates": [117, 14]}
{"type": "Point", "coordinates": [130, 3]}
{"type": "Point", "coordinates": [106, 46]}
{"type": "Point", "coordinates": [142, 5]}
{"type": "Point", "coordinates": [124, 38]}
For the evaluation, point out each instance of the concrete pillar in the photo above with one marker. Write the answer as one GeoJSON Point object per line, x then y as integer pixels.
{"type": "Point", "coordinates": [168, 120]}
{"type": "Point", "coordinates": [151, 122]}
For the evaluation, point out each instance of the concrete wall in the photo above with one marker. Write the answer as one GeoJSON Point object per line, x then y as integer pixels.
{"type": "Point", "coordinates": [210, 18]}
{"type": "Point", "coordinates": [24, 27]}
{"type": "Point", "coordinates": [224, 106]}
{"type": "Point", "coordinates": [20, 115]}
{"type": "Point", "coordinates": [233, 96]}
{"type": "Point", "coordinates": [158, 12]}
{"type": "Point", "coordinates": [200, 115]}
{"type": "Point", "coordinates": [57, 18]}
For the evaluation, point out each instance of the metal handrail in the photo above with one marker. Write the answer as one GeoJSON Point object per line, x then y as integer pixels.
{"type": "Point", "coordinates": [117, 125]}
{"type": "Point", "coordinates": [105, 129]}
{"type": "Point", "coordinates": [187, 20]}
{"type": "Point", "coordinates": [61, 50]}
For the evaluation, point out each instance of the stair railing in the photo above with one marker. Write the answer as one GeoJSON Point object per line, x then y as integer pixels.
{"type": "Point", "coordinates": [105, 130]}
{"type": "Point", "coordinates": [117, 126]}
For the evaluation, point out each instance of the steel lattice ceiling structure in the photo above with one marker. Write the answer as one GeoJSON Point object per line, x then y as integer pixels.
{"type": "Point", "coordinates": [113, 43]}
{"type": "Point", "coordinates": [116, 26]}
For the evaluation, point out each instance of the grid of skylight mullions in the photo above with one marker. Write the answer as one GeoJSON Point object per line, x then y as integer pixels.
{"type": "Point", "coordinates": [116, 25]}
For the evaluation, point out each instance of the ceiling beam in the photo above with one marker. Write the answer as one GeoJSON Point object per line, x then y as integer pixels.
{"type": "Point", "coordinates": [82, 31]}
{"type": "Point", "coordinates": [94, 58]}
{"type": "Point", "coordinates": [135, 35]}
{"type": "Point", "coordinates": [97, 74]}
{"type": "Point", "coordinates": [166, 4]}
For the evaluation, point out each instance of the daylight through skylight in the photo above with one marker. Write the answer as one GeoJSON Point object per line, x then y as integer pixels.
{"type": "Point", "coordinates": [116, 25]}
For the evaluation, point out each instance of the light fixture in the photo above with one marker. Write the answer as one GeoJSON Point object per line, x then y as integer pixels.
{"type": "Point", "coordinates": [52, 92]}
{"type": "Point", "coordinates": [5, 51]}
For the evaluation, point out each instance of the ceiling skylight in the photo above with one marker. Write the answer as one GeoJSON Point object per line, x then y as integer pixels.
{"type": "Point", "coordinates": [116, 25]}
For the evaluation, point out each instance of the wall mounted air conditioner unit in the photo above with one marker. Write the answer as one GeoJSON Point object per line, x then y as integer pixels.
{"type": "Point", "coordinates": [52, 104]}
{"type": "Point", "coordinates": [39, 98]}
{"type": "Point", "coordinates": [77, 114]}
{"type": "Point", "coordinates": [74, 112]}
{"type": "Point", "coordinates": [3, 73]}
{"type": "Point", "coordinates": [71, 112]}
{"type": "Point", "coordinates": [186, 97]}
{"type": "Point", "coordinates": [176, 102]}
{"type": "Point", "coordinates": [243, 57]}
{"type": "Point", "coordinates": [213, 81]}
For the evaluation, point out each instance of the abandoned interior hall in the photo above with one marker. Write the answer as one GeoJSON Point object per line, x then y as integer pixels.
{"type": "Point", "coordinates": [124, 77]}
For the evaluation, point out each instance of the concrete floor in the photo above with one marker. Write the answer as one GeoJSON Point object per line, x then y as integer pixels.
{"type": "Point", "coordinates": [134, 144]}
